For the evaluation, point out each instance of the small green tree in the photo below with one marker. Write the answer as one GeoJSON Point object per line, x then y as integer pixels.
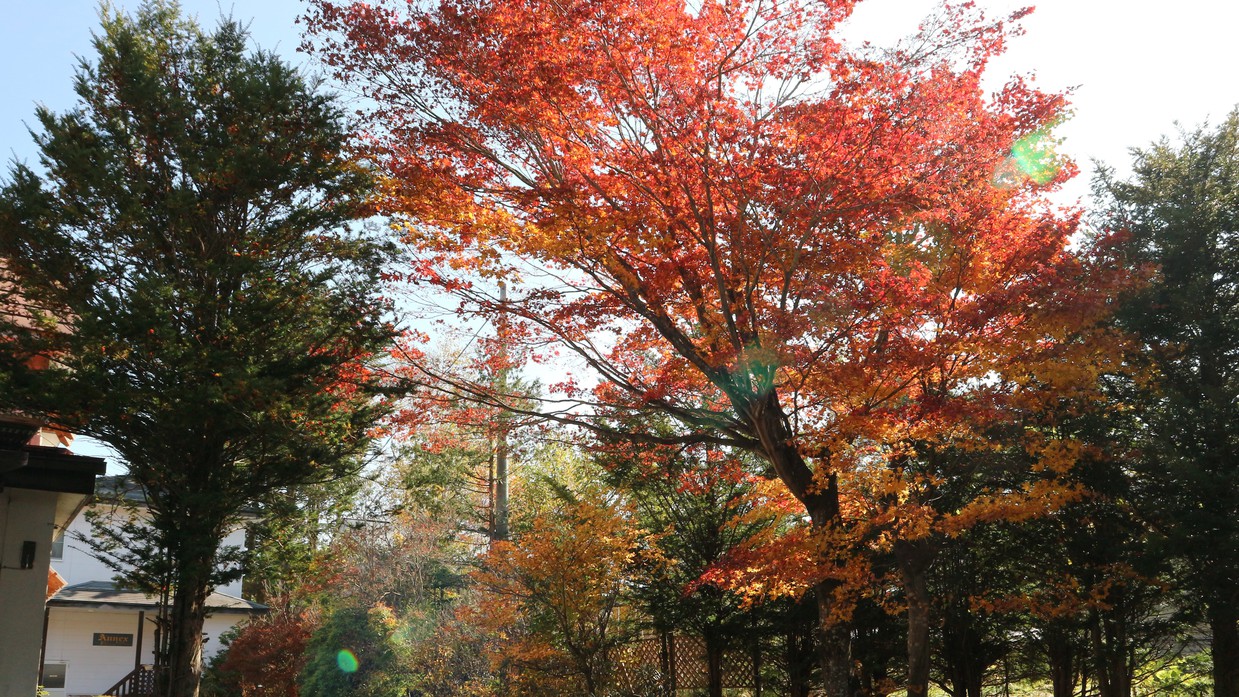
{"type": "Point", "coordinates": [293, 525]}
{"type": "Point", "coordinates": [185, 260]}
{"type": "Point", "coordinates": [356, 653]}
{"type": "Point", "coordinates": [695, 506]}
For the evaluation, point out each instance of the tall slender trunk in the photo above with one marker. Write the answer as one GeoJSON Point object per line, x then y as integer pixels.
{"type": "Point", "coordinates": [799, 639]}
{"type": "Point", "coordinates": [972, 686]}
{"type": "Point", "coordinates": [500, 502]}
{"type": "Point", "coordinates": [666, 660]}
{"type": "Point", "coordinates": [1104, 688]}
{"type": "Point", "coordinates": [1110, 650]}
{"type": "Point", "coordinates": [1223, 618]}
{"type": "Point", "coordinates": [714, 662]}
{"type": "Point", "coordinates": [962, 658]}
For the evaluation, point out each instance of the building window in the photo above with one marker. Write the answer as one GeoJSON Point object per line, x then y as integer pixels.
{"type": "Point", "coordinates": [58, 546]}
{"type": "Point", "coordinates": [54, 675]}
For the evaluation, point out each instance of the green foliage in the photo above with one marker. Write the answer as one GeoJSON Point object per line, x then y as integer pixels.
{"type": "Point", "coordinates": [447, 482]}
{"type": "Point", "coordinates": [293, 525]}
{"type": "Point", "coordinates": [1180, 211]}
{"type": "Point", "coordinates": [184, 253]}
{"type": "Point", "coordinates": [697, 507]}
{"type": "Point", "coordinates": [356, 653]}
{"type": "Point", "coordinates": [1184, 677]}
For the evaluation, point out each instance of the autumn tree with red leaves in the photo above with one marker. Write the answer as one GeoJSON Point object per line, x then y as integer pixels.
{"type": "Point", "coordinates": [266, 655]}
{"type": "Point", "coordinates": [816, 253]}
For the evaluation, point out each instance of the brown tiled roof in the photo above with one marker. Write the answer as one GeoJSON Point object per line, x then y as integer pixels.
{"type": "Point", "coordinates": [102, 594]}
{"type": "Point", "coordinates": [54, 582]}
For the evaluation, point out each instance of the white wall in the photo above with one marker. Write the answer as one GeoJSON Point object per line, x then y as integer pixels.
{"type": "Point", "coordinates": [78, 565]}
{"type": "Point", "coordinates": [24, 515]}
{"type": "Point", "coordinates": [92, 669]}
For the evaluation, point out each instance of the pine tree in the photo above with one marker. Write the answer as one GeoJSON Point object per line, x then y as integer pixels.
{"type": "Point", "coordinates": [1180, 211]}
{"type": "Point", "coordinates": [185, 254]}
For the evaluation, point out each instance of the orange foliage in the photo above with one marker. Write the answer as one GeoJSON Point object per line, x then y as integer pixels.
{"type": "Point", "coordinates": [829, 256]}
{"type": "Point", "coordinates": [553, 599]}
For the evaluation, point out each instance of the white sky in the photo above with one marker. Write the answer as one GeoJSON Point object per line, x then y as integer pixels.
{"type": "Point", "coordinates": [1136, 67]}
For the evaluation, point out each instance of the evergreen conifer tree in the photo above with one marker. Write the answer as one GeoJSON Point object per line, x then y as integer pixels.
{"type": "Point", "coordinates": [1180, 210]}
{"type": "Point", "coordinates": [185, 256]}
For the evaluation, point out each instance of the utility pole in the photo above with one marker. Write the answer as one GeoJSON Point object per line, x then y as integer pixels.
{"type": "Point", "coordinates": [500, 501]}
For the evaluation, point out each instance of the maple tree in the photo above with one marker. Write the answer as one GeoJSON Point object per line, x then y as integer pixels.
{"type": "Point", "coordinates": [189, 225]}
{"type": "Point", "coordinates": [266, 655]}
{"type": "Point", "coordinates": [810, 251]}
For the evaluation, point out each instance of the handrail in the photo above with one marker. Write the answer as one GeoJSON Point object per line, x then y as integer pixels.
{"type": "Point", "coordinates": [140, 682]}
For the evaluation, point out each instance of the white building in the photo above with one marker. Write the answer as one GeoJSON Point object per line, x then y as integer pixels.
{"type": "Point", "coordinates": [97, 634]}
{"type": "Point", "coordinates": [42, 488]}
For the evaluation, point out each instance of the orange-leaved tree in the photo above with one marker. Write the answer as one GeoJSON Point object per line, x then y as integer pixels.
{"type": "Point", "coordinates": [555, 597]}
{"type": "Point", "coordinates": [792, 246]}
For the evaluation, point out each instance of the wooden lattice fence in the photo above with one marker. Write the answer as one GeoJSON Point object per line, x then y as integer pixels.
{"type": "Point", "coordinates": [676, 664]}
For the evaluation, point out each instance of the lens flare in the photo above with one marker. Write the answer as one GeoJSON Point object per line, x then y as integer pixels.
{"type": "Point", "coordinates": [1034, 155]}
{"type": "Point", "coordinates": [1033, 158]}
{"type": "Point", "coordinates": [347, 661]}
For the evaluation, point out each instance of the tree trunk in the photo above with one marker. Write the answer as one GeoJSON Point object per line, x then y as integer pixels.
{"type": "Point", "coordinates": [666, 660]}
{"type": "Point", "coordinates": [1104, 689]}
{"type": "Point", "coordinates": [914, 559]}
{"type": "Point", "coordinates": [918, 635]}
{"type": "Point", "coordinates": [1110, 650]}
{"type": "Point", "coordinates": [185, 642]}
{"type": "Point", "coordinates": [1223, 618]}
{"type": "Point", "coordinates": [1060, 654]}
{"type": "Point", "coordinates": [798, 648]}
{"type": "Point", "coordinates": [834, 644]}
{"type": "Point", "coordinates": [820, 497]}
{"type": "Point", "coordinates": [973, 685]}
{"type": "Point", "coordinates": [714, 663]}
{"type": "Point", "coordinates": [964, 657]}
